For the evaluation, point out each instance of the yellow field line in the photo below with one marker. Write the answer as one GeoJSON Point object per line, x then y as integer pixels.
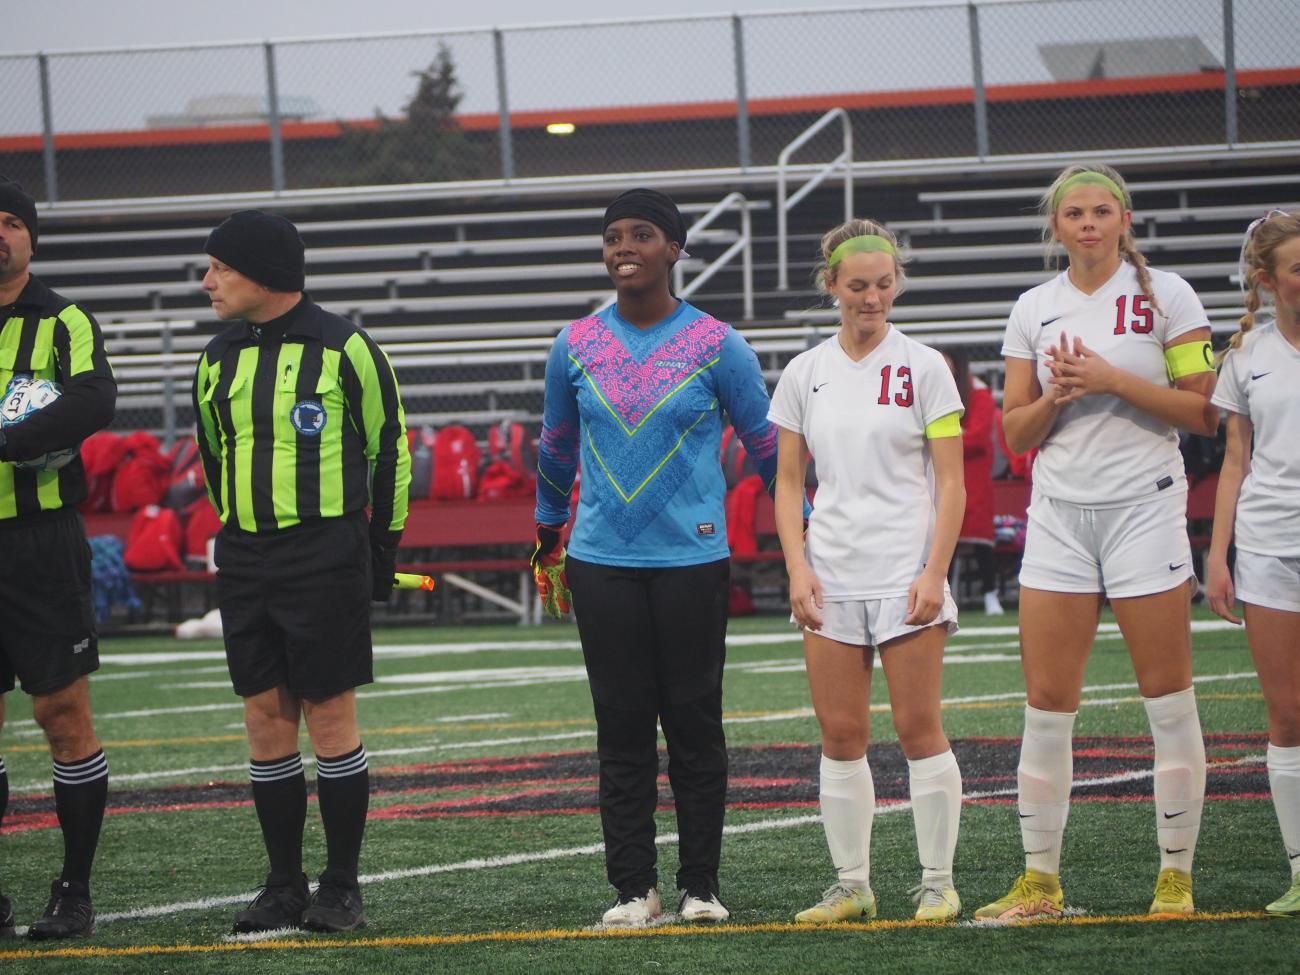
{"type": "Point", "coordinates": [580, 934]}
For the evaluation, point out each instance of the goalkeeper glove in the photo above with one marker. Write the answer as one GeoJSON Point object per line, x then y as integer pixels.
{"type": "Point", "coordinates": [548, 571]}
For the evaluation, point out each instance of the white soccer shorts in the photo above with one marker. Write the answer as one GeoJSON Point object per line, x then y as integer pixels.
{"type": "Point", "coordinates": [1268, 581]}
{"type": "Point", "coordinates": [873, 622]}
{"type": "Point", "coordinates": [1135, 550]}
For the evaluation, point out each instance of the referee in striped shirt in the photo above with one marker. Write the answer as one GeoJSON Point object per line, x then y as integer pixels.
{"type": "Point", "coordinates": [47, 620]}
{"type": "Point", "coordinates": [301, 428]}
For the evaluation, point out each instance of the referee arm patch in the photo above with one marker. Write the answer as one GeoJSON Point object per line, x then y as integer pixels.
{"type": "Point", "coordinates": [1189, 359]}
{"type": "Point", "coordinates": [948, 425]}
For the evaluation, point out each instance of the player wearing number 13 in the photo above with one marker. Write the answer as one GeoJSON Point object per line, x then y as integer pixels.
{"type": "Point", "coordinates": [1105, 362]}
{"type": "Point", "coordinates": [881, 415]}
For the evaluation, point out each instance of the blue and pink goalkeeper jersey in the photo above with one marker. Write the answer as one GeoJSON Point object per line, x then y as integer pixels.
{"type": "Point", "coordinates": [643, 412]}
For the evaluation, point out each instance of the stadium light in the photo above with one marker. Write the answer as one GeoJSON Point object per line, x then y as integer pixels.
{"type": "Point", "coordinates": [560, 128]}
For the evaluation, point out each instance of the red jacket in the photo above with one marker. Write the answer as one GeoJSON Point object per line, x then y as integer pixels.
{"type": "Point", "coordinates": [977, 425]}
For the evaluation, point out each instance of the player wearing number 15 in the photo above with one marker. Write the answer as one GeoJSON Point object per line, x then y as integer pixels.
{"type": "Point", "coordinates": [1105, 363]}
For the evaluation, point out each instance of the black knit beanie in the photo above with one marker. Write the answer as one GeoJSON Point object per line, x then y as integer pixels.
{"type": "Point", "coordinates": [649, 205]}
{"type": "Point", "coordinates": [14, 199]}
{"type": "Point", "coordinates": [262, 246]}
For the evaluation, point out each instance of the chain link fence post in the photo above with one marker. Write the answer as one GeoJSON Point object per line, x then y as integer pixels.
{"type": "Point", "coordinates": [273, 120]}
{"type": "Point", "coordinates": [977, 80]}
{"type": "Point", "coordinates": [742, 95]}
{"type": "Point", "coordinates": [47, 130]}
{"type": "Point", "coordinates": [1229, 77]}
{"type": "Point", "coordinates": [503, 105]}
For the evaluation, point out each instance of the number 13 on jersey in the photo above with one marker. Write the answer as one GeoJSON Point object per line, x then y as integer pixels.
{"type": "Point", "coordinates": [904, 395]}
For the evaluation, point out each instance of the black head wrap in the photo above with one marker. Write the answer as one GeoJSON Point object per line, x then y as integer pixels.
{"type": "Point", "coordinates": [14, 199]}
{"type": "Point", "coordinates": [653, 206]}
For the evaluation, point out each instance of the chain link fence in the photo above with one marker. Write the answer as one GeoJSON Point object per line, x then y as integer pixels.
{"type": "Point", "coordinates": [982, 79]}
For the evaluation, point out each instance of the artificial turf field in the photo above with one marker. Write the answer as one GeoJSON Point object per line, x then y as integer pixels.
{"type": "Point", "coordinates": [483, 848]}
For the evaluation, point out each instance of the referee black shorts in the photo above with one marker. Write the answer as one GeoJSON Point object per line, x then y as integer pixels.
{"type": "Point", "coordinates": [295, 607]}
{"type": "Point", "coordinates": [47, 615]}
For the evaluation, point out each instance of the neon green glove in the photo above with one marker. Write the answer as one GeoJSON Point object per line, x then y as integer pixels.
{"type": "Point", "coordinates": [549, 573]}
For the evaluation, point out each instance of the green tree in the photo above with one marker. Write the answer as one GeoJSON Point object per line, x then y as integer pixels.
{"type": "Point", "coordinates": [426, 145]}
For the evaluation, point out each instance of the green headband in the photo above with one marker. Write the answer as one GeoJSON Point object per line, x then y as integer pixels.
{"type": "Point", "coordinates": [865, 244]}
{"type": "Point", "coordinates": [1095, 179]}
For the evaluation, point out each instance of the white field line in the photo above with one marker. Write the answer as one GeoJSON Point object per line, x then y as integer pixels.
{"type": "Point", "coordinates": [564, 853]}
{"type": "Point", "coordinates": [795, 714]}
{"type": "Point", "coordinates": [397, 650]}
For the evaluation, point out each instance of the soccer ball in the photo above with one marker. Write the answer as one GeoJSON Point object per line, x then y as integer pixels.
{"type": "Point", "coordinates": [22, 398]}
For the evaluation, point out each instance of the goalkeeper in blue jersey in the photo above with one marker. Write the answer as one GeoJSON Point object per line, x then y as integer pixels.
{"type": "Point", "coordinates": [635, 395]}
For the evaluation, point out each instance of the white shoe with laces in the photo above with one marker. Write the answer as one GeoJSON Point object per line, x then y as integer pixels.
{"type": "Point", "coordinates": [992, 607]}
{"type": "Point", "coordinates": [936, 902]}
{"type": "Point", "coordinates": [701, 905]}
{"type": "Point", "coordinates": [633, 909]}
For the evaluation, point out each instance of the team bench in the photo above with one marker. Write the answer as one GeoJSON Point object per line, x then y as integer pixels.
{"type": "Point", "coordinates": [450, 540]}
{"type": "Point", "coordinates": [469, 544]}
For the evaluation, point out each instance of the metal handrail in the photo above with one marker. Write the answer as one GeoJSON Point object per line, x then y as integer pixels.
{"type": "Point", "coordinates": [783, 206]}
{"type": "Point", "coordinates": [742, 245]}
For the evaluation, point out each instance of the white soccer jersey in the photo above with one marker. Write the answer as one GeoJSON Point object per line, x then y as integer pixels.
{"type": "Point", "coordinates": [865, 425]}
{"type": "Point", "coordinates": [1261, 379]}
{"type": "Point", "coordinates": [1102, 452]}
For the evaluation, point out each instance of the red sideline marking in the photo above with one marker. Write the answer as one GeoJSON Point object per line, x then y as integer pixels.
{"type": "Point", "coordinates": [633, 114]}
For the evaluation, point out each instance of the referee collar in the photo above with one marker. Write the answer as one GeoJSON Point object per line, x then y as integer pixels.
{"type": "Point", "coordinates": [34, 294]}
{"type": "Point", "coordinates": [298, 321]}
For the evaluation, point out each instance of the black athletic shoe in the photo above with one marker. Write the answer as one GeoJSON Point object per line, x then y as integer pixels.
{"type": "Point", "coordinates": [6, 917]}
{"type": "Point", "coordinates": [335, 907]}
{"type": "Point", "coordinates": [67, 915]}
{"type": "Point", "coordinates": [279, 904]}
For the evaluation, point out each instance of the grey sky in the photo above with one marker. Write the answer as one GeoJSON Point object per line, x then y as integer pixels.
{"type": "Point", "coordinates": [62, 24]}
{"type": "Point", "coordinates": [919, 45]}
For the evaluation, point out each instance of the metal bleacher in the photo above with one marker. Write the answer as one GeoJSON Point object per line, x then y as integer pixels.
{"type": "Point", "coordinates": [467, 302]}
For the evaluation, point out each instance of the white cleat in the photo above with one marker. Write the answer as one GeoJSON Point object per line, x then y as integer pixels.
{"type": "Point", "coordinates": [701, 905]}
{"type": "Point", "coordinates": [633, 909]}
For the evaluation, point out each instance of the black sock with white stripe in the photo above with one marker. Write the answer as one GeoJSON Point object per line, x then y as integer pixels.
{"type": "Point", "coordinates": [80, 794]}
{"type": "Point", "coordinates": [343, 786]}
{"type": "Point", "coordinates": [280, 796]}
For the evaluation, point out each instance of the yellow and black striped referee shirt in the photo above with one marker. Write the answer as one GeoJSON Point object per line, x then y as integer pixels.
{"type": "Point", "coordinates": [46, 336]}
{"type": "Point", "coordinates": [300, 418]}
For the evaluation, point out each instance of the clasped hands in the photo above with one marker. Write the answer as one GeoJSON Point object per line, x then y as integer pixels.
{"type": "Point", "coordinates": [1077, 371]}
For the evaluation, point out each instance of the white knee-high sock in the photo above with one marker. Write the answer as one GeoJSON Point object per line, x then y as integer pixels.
{"type": "Point", "coordinates": [1284, 781]}
{"type": "Point", "coordinates": [848, 799]}
{"type": "Point", "coordinates": [1045, 775]}
{"type": "Point", "coordinates": [1180, 776]}
{"type": "Point", "coordinates": [935, 785]}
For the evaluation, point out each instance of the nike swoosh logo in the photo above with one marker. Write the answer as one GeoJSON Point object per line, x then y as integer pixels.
{"type": "Point", "coordinates": [1258, 375]}
{"type": "Point", "coordinates": [1034, 853]}
{"type": "Point", "coordinates": [1026, 815]}
{"type": "Point", "coordinates": [1173, 815]}
{"type": "Point", "coordinates": [1292, 856]}
{"type": "Point", "coordinates": [1047, 321]}
{"type": "Point", "coordinates": [1175, 568]}
{"type": "Point", "coordinates": [1183, 850]}
{"type": "Point", "coordinates": [815, 388]}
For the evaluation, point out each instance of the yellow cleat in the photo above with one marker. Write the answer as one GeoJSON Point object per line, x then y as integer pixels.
{"type": "Point", "coordinates": [1288, 905]}
{"type": "Point", "coordinates": [841, 902]}
{"type": "Point", "coordinates": [1033, 895]}
{"type": "Point", "coordinates": [1173, 895]}
{"type": "Point", "coordinates": [936, 903]}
